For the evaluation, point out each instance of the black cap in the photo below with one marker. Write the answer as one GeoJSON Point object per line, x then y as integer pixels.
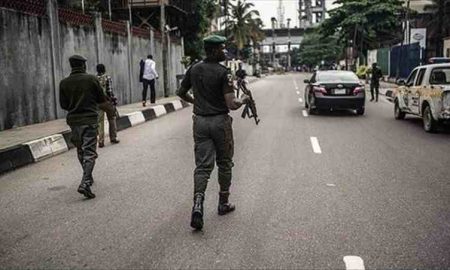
{"type": "Point", "coordinates": [215, 40]}
{"type": "Point", "coordinates": [77, 57]}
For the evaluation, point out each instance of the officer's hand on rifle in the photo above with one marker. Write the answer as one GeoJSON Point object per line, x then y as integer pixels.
{"type": "Point", "coordinates": [245, 99]}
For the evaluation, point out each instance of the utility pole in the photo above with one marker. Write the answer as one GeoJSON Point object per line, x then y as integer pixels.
{"type": "Point", "coordinates": [164, 48]}
{"type": "Point", "coordinates": [109, 9]}
{"type": "Point", "coordinates": [289, 42]}
{"type": "Point", "coordinates": [82, 5]}
{"type": "Point", "coordinates": [273, 41]}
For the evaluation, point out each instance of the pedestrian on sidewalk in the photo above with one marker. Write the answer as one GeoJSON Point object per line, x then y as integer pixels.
{"type": "Point", "coordinates": [108, 108]}
{"type": "Point", "coordinates": [375, 81]}
{"type": "Point", "coordinates": [149, 74]}
{"type": "Point", "coordinates": [212, 85]}
{"type": "Point", "coordinates": [80, 95]}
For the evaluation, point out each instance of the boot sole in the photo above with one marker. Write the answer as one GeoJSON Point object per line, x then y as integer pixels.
{"type": "Point", "coordinates": [86, 193]}
{"type": "Point", "coordinates": [197, 220]}
{"type": "Point", "coordinates": [222, 213]}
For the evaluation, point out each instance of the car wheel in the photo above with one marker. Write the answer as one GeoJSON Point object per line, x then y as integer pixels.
{"type": "Point", "coordinates": [360, 111]}
{"type": "Point", "coordinates": [429, 124]}
{"type": "Point", "coordinates": [398, 114]}
{"type": "Point", "coordinates": [306, 102]}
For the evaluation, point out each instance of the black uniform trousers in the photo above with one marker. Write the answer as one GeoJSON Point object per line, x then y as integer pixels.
{"type": "Point", "coordinates": [374, 87]}
{"type": "Point", "coordinates": [146, 83]}
{"type": "Point", "coordinates": [213, 138]}
{"type": "Point", "coordinates": [85, 140]}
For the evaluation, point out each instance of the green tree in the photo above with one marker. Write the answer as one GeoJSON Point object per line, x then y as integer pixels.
{"type": "Point", "coordinates": [314, 49]}
{"type": "Point", "coordinates": [366, 24]}
{"type": "Point", "coordinates": [243, 25]}
{"type": "Point", "coordinates": [439, 23]}
{"type": "Point", "coordinates": [197, 27]}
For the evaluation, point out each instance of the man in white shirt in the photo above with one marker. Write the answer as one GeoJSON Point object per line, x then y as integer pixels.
{"type": "Point", "coordinates": [148, 78]}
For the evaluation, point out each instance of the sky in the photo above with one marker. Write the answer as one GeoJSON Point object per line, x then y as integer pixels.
{"type": "Point", "coordinates": [269, 9]}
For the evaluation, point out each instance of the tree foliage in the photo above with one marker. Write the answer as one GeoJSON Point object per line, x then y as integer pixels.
{"type": "Point", "coordinates": [315, 48]}
{"type": "Point", "coordinates": [244, 25]}
{"type": "Point", "coordinates": [367, 23]}
{"type": "Point", "coordinates": [197, 26]}
{"type": "Point", "coordinates": [439, 23]}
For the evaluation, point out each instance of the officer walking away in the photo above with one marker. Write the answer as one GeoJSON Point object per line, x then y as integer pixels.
{"type": "Point", "coordinates": [213, 98]}
{"type": "Point", "coordinates": [149, 74]}
{"type": "Point", "coordinates": [108, 107]}
{"type": "Point", "coordinates": [80, 94]}
{"type": "Point", "coordinates": [375, 81]}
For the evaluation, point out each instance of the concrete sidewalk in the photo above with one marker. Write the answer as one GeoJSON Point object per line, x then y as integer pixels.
{"type": "Point", "coordinates": [33, 143]}
{"type": "Point", "coordinates": [29, 144]}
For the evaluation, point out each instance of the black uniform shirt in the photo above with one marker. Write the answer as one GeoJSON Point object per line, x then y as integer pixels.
{"type": "Point", "coordinates": [80, 94]}
{"type": "Point", "coordinates": [210, 82]}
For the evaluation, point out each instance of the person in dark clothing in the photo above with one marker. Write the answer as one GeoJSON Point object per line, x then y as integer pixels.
{"type": "Point", "coordinates": [80, 95]}
{"type": "Point", "coordinates": [375, 82]}
{"type": "Point", "coordinates": [213, 98]}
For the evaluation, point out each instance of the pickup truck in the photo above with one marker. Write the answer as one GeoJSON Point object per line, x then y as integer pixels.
{"type": "Point", "coordinates": [426, 93]}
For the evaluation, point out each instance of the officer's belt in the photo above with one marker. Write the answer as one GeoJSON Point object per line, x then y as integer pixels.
{"type": "Point", "coordinates": [211, 115]}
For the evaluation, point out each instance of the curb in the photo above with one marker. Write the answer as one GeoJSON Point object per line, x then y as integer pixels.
{"type": "Point", "coordinates": [34, 151]}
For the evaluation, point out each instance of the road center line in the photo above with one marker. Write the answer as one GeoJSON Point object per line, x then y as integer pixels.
{"type": "Point", "coordinates": [298, 92]}
{"type": "Point", "coordinates": [295, 84]}
{"type": "Point", "coordinates": [300, 100]}
{"type": "Point", "coordinates": [305, 113]}
{"type": "Point", "coordinates": [315, 145]}
{"type": "Point", "coordinates": [353, 263]}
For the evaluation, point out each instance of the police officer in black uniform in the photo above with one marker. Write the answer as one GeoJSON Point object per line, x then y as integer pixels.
{"type": "Point", "coordinates": [213, 98]}
{"type": "Point", "coordinates": [80, 95]}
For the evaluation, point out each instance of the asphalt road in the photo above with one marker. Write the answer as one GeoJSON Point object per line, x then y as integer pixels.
{"type": "Point", "coordinates": [377, 189]}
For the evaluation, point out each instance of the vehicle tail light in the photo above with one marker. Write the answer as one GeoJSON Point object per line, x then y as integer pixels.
{"type": "Point", "coordinates": [320, 89]}
{"type": "Point", "coordinates": [358, 90]}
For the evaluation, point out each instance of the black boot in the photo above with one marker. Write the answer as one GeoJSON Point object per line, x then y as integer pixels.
{"type": "Point", "coordinates": [197, 211]}
{"type": "Point", "coordinates": [224, 206]}
{"type": "Point", "coordinates": [85, 189]}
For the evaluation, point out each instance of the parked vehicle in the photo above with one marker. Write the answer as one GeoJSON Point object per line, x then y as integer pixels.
{"type": "Point", "coordinates": [334, 90]}
{"type": "Point", "coordinates": [426, 93]}
{"type": "Point", "coordinates": [439, 60]}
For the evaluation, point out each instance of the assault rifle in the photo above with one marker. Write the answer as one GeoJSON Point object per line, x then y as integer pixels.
{"type": "Point", "coordinates": [250, 108]}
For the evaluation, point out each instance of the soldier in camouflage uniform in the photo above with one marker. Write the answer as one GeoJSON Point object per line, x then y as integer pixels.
{"type": "Point", "coordinates": [213, 98]}
{"type": "Point", "coordinates": [107, 107]}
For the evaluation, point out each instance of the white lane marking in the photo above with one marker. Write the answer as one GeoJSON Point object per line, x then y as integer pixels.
{"type": "Point", "coordinates": [298, 92]}
{"type": "Point", "coordinates": [331, 185]}
{"type": "Point", "coordinates": [315, 145]}
{"type": "Point", "coordinates": [353, 263]}
{"type": "Point", "coordinates": [305, 113]}
{"type": "Point", "coordinates": [295, 84]}
{"type": "Point", "coordinates": [300, 100]}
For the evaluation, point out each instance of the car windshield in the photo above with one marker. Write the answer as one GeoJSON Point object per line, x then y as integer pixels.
{"type": "Point", "coordinates": [440, 75]}
{"type": "Point", "coordinates": [337, 77]}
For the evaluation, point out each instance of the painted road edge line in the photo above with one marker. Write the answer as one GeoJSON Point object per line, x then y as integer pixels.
{"type": "Point", "coordinates": [315, 145]}
{"type": "Point", "coordinates": [300, 100]}
{"type": "Point", "coordinates": [298, 92]}
{"type": "Point", "coordinates": [353, 263]}
{"type": "Point", "coordinates": [305, 113]}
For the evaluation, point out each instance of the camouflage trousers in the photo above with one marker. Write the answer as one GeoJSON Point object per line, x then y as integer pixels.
{"type": "Point", "coordinates": [85, 140]}
{"type": "Point", "coordinates": [108, 109]}
{"type": "Point", "coordinates": [213, 138]}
